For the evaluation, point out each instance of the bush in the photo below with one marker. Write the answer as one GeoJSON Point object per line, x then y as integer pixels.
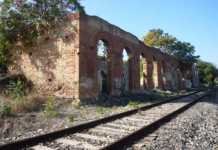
{"type": "Point", "coordinates": [5, 110]}
{"type": "Point", "coordinates": [49, 108]}
{"type": "Point", "coordinates": [16, 89]}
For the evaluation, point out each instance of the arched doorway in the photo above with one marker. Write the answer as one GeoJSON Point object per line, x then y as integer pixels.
{"type": "Point", "coordinates": [102, 67]}
{"type": "Point", "coordinates": [155, 72]}
{"type": "Point", "coordinates": [163, 74]}
{"type": "Point", "coordinates": [143, 72]}
{"type": "Point", "coordinates": [125, 72]}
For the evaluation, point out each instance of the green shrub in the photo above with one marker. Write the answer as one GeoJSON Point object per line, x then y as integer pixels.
{"type": "Point", "coordinates": [16, 89]}
{"type": "Point", "coordinates": [5, 110]}
{"type": "Point", "coordinates": [49, 108]}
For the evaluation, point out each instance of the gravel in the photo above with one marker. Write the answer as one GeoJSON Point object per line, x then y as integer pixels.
{"type": "Point", "coordinates": [196, 129]}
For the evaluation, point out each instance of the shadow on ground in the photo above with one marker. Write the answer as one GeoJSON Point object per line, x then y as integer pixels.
{"type": "Point", "coordinates": [151, 96]}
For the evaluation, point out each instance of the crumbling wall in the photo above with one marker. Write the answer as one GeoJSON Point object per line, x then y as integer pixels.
{"type": "Point", "coordinates": [52, 63]}
{"type": "Point", "coordinates": [68, 65]}
{"type": "Point", "coordinates": [93, 29]}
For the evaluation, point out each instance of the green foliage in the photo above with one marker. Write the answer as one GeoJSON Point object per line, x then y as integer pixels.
{"type": "Point", "coordinates": [169, 44]}
{"type": "Point", "coordinates": [184, 51]}
{"type": "Point", "coordinates": [16, 89]}
{"type": "Point", "coordinates": [157, 38]}
{"type": "Point", "coordinates": [5, 110]}
{"type": "Point", "coordinates": [133, 103]}
{"type": "Point", "coordinates": [101, 110]}
{"type": "Point", "coordinates": [71, 118]}
{"type": "Point", "coordinates": [49, 108]}
{"type": "Point", "coordinates": [26, 20]}
{"type": "Point", "coordinates": [207, 72]}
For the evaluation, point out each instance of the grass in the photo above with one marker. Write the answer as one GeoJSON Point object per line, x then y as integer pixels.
{"type": "Point", "coordinates": [101, 110]}
{"type": "Point", "coordinates": [133, 103]}
{"type": "Point", "coordinates": [15, 92]}
{"type": "Point", "coordinates": [26, 104]}
{"type": "Point", "coordinates": [71, 118]}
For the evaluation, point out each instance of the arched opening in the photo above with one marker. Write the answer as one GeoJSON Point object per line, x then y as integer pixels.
{"type": "Point", "coordinates": [102, 67]}
{"type": "Point", "coordinates": [163, 74]}
{"type": "Point", "coordinates": [155, 72]}
{"type": "Point", "coordinates": [125, 71]}
{"type": "Point", "coordinates": [143, 72]}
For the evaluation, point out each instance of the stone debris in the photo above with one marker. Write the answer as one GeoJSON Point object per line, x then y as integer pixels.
{"type": "Point", "coordinates": [196, 129]}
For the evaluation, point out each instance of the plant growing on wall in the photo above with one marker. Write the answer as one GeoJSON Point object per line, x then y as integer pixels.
{"type": "Point", "coordinates": [26, 20]}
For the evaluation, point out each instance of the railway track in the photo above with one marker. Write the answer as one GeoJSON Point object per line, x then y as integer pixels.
{"type": "Point", "coordinates": [114, 132]}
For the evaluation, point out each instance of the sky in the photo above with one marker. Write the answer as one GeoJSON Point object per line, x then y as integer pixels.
{"type": "Point", "coordinates": [194, 21]}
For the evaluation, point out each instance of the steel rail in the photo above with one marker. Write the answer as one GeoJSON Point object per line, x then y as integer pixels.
{"type": "Point", "coordinates": [148, 129]}
{"type": "Point", "coordinates": [32, 141]}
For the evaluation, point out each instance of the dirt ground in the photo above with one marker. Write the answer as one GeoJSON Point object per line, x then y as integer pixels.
{"type": "Point", "coordinates": [63, 113]}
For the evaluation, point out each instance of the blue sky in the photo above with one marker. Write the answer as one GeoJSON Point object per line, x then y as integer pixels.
{"type": "Point", "coordinates": [194, 21]}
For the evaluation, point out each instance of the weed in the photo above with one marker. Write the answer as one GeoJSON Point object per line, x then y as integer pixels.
{"type": "Point", "coordinates": [101, 110]}
{"type": "Point", "coordinates": [49, 108]}
{"type": "Point", "coordinates": [71, 118]}
{"type": "Point", "coordinates": [133, 103]}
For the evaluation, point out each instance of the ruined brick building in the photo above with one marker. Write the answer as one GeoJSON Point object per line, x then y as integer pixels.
{"type": "Point", "coordinates": [92, 57]}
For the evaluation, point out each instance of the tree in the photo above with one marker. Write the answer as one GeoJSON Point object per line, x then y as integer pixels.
{"type": "Point", "coordinates": [157, 38]}
{"type": "Point", "coordinates": [207, 72]}
{"type": "Point", "coordinates": [183, 51]}
{"type": "Point", "coordinates": [169, 44]}
{"type": "Point", "coordinates": [26, 20]}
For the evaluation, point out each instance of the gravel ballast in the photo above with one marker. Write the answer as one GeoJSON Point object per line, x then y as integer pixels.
{"type": "Point", "coordinates": [196, 129]}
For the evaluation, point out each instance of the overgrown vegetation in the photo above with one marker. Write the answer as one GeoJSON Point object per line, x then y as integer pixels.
{"type": "Point", "coordinates": [5, 110]}
{"type": "Point", "coordinates": [16, 89]}
{"type": "Point", "coordinates": [207, 72]}
{"type": "Point", "coordinates": [101, 109]}
{"type": "Point", "coordinates": [133, 103]}
{"type": "Point", "coordinates": [25, 21]}
{"type": "Point", "coordinates": [49, 108]}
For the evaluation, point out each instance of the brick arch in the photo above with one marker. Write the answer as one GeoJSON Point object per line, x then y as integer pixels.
{"type": "Point", "coordinates": [104, 36]}
{"type": "Point", "coordinates": [129, 49]}
{"type": "Point", "coordinates": [130, 52]}
{"type": "Point", "coordinates": [107, 38]}
{"type": "Point", "coordinates": [143, 72]}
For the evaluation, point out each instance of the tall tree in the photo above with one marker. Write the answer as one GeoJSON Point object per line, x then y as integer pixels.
{"type": "Point", "coordinates": [26, 20]}
{"type": "Point", "coordinates": [157, 38]}
{"type": "Point", "coordinates": [207, 72]}
{"type": "Point", "coordinates": [169, 44]}
{"type": "Point", "coordinates": [183, 51]}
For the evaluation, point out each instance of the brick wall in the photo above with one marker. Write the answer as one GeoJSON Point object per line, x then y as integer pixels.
{"type": "Point", "coordinates": [52, 64]}
{"type": "Point", "coordinates": [67, 66]}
